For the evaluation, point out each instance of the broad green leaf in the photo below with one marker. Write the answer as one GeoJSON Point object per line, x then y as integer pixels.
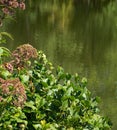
{"type": "Point", "coordinates": [30, 105]}
{"type": "Point", "coordinates": [37, 126]}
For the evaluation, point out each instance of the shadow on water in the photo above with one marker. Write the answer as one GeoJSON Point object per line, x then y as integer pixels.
{"type": "Point", "coordinates": [79, 35]}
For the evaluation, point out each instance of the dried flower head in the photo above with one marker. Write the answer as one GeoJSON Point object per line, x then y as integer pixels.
{"type": "Point", "coordinates": [5, 10]}
{"type": "Point", "coordinates": [14, 88]}
{"type": "Point", "coordinates": [10, 4]}
{"type": "Point", "coordinates": [22, 54]}
{"type": "Point", "coordinates": [9, 67]}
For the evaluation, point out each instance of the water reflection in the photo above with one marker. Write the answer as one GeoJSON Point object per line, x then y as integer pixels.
{"type": "Point", "coordinates": [78, 36]}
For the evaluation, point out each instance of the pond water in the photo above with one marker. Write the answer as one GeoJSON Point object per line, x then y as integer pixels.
{"type": "Point", "coordinates": [78, 35]}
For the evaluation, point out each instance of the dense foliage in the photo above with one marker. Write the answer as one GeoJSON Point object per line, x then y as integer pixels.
{"type": "Point", "coordinates": [35, 96]}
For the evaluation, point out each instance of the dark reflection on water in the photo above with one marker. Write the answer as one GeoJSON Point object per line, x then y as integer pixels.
{"type": "Point", "coordinates": [79, 36]}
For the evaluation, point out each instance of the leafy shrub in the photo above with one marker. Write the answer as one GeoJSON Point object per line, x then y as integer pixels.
{"type": "Point", "coordinates": [55, 99]}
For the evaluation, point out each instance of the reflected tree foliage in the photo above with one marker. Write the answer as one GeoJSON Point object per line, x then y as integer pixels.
{"type": "Point", "coordinates": [93, 4]}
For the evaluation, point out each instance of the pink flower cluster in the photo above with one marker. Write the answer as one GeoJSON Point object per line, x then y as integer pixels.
{"type": "Point", "coordinates": [22, 54]}
{"type": "Point", "coordinates": [14, 88]}
{"type": "Point", "coordinates": [9, 67]}
{"type": "Point", "coordinates": [20, 57]}
{"type": "Point", "coordinates": [9, 5]}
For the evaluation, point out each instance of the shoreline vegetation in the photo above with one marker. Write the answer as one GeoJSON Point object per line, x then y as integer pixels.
{"type": "Point", "coordinates": [34, 95]}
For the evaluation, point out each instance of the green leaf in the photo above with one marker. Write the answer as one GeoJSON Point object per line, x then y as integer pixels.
{"type": "Point", "coordinates": [24, 78]}
{"type": "Point", "coordinates": [7, 34]}
{"type": "Point", "coordinates": [68, 92]}
{"type": "Point", "coordinates": [44, 82]}
{"type": "Point", "coordinates": [1, 51]}
{"type": "Point", "coordinates": [37, 126]}
{"type": "Point", "coordinates": [4, 74]}
{"type": "Point", "coordinates": [4, 51]}
{"type": "Point", "coordinates": [30, 105]}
